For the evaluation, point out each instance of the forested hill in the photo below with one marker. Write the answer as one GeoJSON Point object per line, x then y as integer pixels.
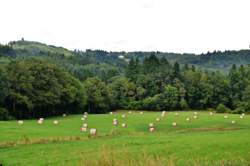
{"type": "Point", "coordinates": [210, 61]}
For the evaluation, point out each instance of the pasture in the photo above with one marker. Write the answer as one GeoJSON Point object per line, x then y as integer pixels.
{"type": "Point", "coordinates": [177, 139]}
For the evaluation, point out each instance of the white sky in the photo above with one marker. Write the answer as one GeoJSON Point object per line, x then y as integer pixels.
{"type": "Point", "coordinates": [149, 25]}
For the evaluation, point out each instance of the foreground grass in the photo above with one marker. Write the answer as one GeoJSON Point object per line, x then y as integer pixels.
{"type": "Point", "coordinates": [208, 140]}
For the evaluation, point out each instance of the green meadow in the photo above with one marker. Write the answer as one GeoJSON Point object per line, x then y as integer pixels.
{"type": "Point", "coordinates": [207, 140]}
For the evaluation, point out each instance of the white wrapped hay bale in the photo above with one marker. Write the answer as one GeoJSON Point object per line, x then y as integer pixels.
{"type": "Point", "coordinates": [130, 112]}
{"type": "Point", "coordinates": [93, 132]}
{"type": "Point", "coordinates": [123, 115]}
{"type": "Point", "coordinates": [141, 112]}
{"type": "Point", "coordinates": [56, 122]}
{"type": "Point", "coordinates": [82, 118]}
{"type": "Point", "coordinates": [241, 117]}
{"type": "Point", "coordinates": [85, 116]}
{"type": "Point", "coordinates": [151, 125]}
{"type": "Point", "coordinates": [151, 129]}
{"type": "Point", "coordinates": [211, 113]}
{"type": "Point", "coordinates": [174, 124]}
{"type": "Point", "coordinates": [20, 122]}
{"type": "Point", "coordinates": [64, 115]}
{"type": "Point", "coordinates": [163, 113]}
{"type": "Point", "coordinates": [85, 125]}
{"type": "Point", "coordinates": [40, 121]}
{"type": "Point", "coordinates": [83, 129]}
{"type": "Point", "coordinates": [188, 119]}
{"type": "Point", "coordinates": [225, 116]}
{"type": "Point", "coordinates": [195, 113]}
{"type": "Point", "coordinates": [157, 119]}
{"type": "Point", "coordinates": [233, 122]}
{"type": "Point", "coordinates": [195, 116]}
{"type": "Point", "coordinates": [111, 113]}
{"type": "Point", "coordinates": [115, 122]}
{"type": "Point", "coordinates": [176, 114]}
{"type": "Point", "coordinates": [124, 125]}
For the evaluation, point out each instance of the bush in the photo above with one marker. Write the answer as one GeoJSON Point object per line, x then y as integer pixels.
{"type": "Point", "coordinates": [4, 114]}
{"type": "Point", "coordinates": [221, 108]}
{"type": "Point", "coordinates": [183, 104]}
{"type": "Point", "coordinates": [238, 110]}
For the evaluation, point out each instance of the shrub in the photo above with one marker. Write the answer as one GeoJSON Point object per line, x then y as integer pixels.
{"type": "Point", "coordinates": [221, 108]}
{"type": "Point", "coordinates": [4, 114]}
{"type": "Point", "coordinates": [238, 110]}
{"type": "Point", "coordinates": [183, 104]}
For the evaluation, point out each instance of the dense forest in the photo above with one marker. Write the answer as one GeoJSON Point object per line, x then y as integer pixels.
{"type": "Point", "coordinates": [39, 80]}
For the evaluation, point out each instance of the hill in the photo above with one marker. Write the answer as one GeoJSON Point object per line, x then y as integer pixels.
{"type": "Point", "coordinates": [216, 60]}
{"type": "Point", "coordinates": [31, 48]}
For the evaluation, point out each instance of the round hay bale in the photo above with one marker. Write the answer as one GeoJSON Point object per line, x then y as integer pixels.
{"type": "Point", "coordinates": [151, 125]}
{"type": "Point", "coordinates": [93, 132]}
{"type": "Point", "coordinates": [56, 122]}
{"type": "Point", "coordinates": [151, 129]}
{"type": "Point", "coordinates": [124, 125]}
{"type": "Point", "coordinates": [83, 129]}
{"type": "Point", "coordinates": [20, 122]}
{"type": "Point", "coordinates": [174, 124]}
{"type": "Point", "coordinates": [157, 119]}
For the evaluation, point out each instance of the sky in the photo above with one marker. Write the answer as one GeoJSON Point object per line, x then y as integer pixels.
{"type": "Point", "coordinates": [190, 26]}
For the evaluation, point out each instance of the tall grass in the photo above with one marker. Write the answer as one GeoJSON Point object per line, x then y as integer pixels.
{"type": "Point", "coordinates": [109, 157]}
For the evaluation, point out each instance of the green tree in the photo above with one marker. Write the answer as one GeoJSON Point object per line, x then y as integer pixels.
{"type": "Point", "coordinates": [98, 95]}
{"type": "Point", "coordinates": [38, 88]}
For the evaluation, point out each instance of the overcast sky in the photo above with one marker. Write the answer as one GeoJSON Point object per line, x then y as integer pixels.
{"type": "Point", "coordinates": [149, 25]}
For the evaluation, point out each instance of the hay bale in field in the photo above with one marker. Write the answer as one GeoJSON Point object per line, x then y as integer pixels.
{"type": "Point", "coordinates": [187, 119]}
{"type": "Point", "coordinates": [233, 122]}
{"type": "Point", "coordinates": [211, 113]}
{"type": "Point", "coordinates": [195, 116]}
{"type": "Point", "coordinates": [85, 113]}
{"type": "Point", "coordinates": [195, 113]}
{"type": "Point", "coordinates": [83, 129]}
{"type": "Point", "coordinates": [241, 117]}
{"type": "Point", "coordinates": [141, 112]}
{"type": "Point", "coordinates": [85, 116]}
{"type": "Point", "coordinates": [111, 113]}
{"type": "Point", "coordinates": [151, 125]}
{"type": "Point", "coordinates": [130, 112]}
{"type": "Point", "coordinates": [151, 129]}
{"type": "Point", "coordinates": [157, 119]}
{"type": "Point", "coordinates": [64, 115]}
{"type": "Point", "coordinates": [93, 132]}
{"type": "Point", "coordinates": [176, 114]}
{"type": "Point", "coordinates": [115, 122]}
{"type": "Point", "coordinates": [20, 122]}
{"type": "Point", "coordinates": [56, 122]}
{"type": "Point", "coordinates": [85, 125]}
{"type": "Point", "coordinates": [124, 125]}
{"type": "Point", "coordinates": [123, 115]}
{"type": "Point", "coordinates": [225, 116]}
{"type": "Point", "coordinates": [82, 118]}
{"type": "Point", "coordinates": [40, 121]}
{"type": "Point", "coordinates": [174, 124]}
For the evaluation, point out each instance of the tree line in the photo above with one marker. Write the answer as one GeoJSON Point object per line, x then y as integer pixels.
{"type": "Point", "coordinates": [37, 87]}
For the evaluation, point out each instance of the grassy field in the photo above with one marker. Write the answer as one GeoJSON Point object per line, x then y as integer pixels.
{"type": "Point", "coordinates": [207, 140]}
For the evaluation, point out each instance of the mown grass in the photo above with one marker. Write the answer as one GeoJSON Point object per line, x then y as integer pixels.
{"type": "Point", "coordinates": [208, 140]}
